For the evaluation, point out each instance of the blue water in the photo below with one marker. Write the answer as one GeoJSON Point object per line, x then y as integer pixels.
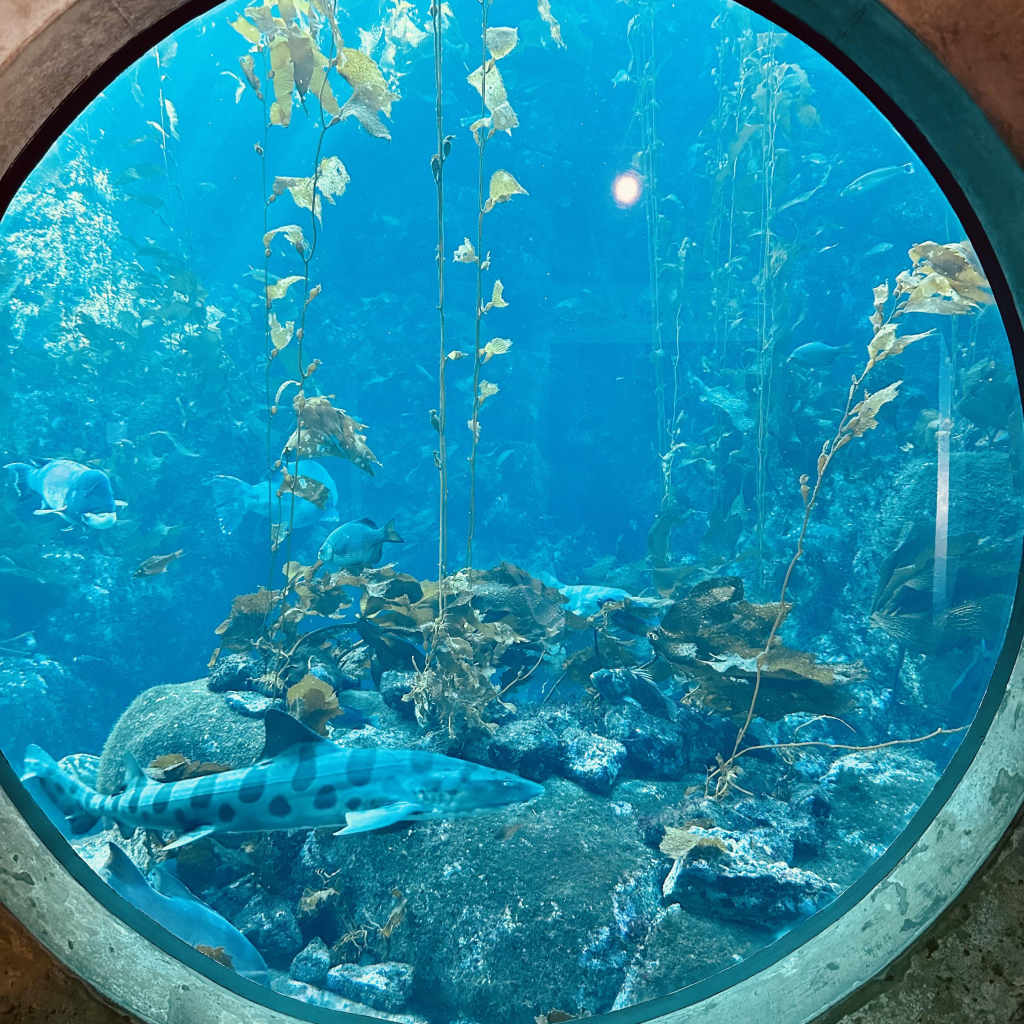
{"type": "Point", "coordinates": [135, 341]}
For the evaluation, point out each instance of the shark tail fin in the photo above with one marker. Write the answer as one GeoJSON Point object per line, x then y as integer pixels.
{"type": "Point", "coordinates": [63, 790]}
{"type": "Point", "coordinates": [232, 498]}
{"type": "Point", "coordinates": [391, 534]}
{"type": "Point", "coordinates": [19, 474]}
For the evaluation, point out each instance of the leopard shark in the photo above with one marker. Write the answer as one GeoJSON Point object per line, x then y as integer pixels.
{"type": "Point", "coordinates": [301, 780]}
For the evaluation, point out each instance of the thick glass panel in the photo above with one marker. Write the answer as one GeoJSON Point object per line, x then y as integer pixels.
{"type": "Point", "coordinates": [538, 656]}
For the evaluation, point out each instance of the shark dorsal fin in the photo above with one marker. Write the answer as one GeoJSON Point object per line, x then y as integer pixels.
{"type": "Point", "coordinates": [122, 868]}
{"type": "Point", "coordinates": [284, 732]}
{"type": "Point", "coordinates": [133, 772]}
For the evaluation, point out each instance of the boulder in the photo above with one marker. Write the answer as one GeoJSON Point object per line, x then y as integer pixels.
{"type": "Point", "coordinates": [181, 718]}
{"type": "Point", "coordinates": [312, 963]}
{"type": "Point", "coordinates": [725, 874]}
{"type": "Point", "coordinates": [385, 986]}
{"type": "Point", "coordinates": [591, 760]}
{"type": "Point", "coordinates": [268, 922]}
{"type": "Point", "coordinates": [526, 746]}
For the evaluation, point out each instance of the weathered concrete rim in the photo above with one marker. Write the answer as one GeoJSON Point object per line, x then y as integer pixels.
{"type": "Point", "coordinates": [149, 973]}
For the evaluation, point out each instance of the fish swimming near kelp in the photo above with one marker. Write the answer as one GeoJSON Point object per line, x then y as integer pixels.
{"type": "Point", "coordinates": [271, 499]}
{"type": "Point", "coordinates": [169, 902]}
{"type": "Point", "coordinates": [875, 178]}
{"type": "Point", "coordinates": [816, 353]}
{"type": "Point", "coordinates": [78, 494]}
{"type": "Point", "coordinates": [358, 543]}
{"type": "Point", "coordinates": [301, 780]}
{"type": "Point", "coordinates": [156, 564]}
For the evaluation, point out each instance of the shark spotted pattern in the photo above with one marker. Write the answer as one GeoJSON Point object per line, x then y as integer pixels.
{"type": "Point", "coordinates": [301, 780]}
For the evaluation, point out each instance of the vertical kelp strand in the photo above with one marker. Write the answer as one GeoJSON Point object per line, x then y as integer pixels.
{"type": "Point", "coordinates": [437, 165]}
{"type": "Point", "coordinates": [474, 423]}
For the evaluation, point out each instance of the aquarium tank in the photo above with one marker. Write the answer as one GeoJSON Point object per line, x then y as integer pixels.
{"type": "Point", "coordinates": [510, 507]}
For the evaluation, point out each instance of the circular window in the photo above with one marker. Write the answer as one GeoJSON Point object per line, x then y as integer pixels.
{"type": "Point", "coordinates": [512, 509]}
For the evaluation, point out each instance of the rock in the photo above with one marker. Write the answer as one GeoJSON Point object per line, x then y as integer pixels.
{"type": "Point", "coordinates": [592, 761]}
{"type": "Point", "coordinates": [318, 997]}
{"type": "Point", "coordinates": [255, 705]}
{"type": "Point", "coordinates": [329, 671]}
{"type": "Point", "coordinates": [385, 986]}
{"type": "Point", "coordinates": [236, 671]}
{"type": "Point", "coordinates": [268, 922]}
{"type": "Point", "coordinates": [526, 746]}
{"type": "Point", "coordinates": [229, 900]}
{"type": "Point", "coordinates": [393, 687]}
{"type": "Point", "coordinates": [312, 964]}
{"type": "Point", "coordinates": [874, 793]}
{"type": "Point", "coordinates": [182, 718]}
{"type": "Point", "coordinates": [726, 875]}
{"type": "Point", "coordinates": [656, 749]}
{"type": "Point", "coordinates": [501, 907]}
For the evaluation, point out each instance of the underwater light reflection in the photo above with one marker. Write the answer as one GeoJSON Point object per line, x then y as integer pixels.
{"type": "Point", "coordinates": [627, 188]}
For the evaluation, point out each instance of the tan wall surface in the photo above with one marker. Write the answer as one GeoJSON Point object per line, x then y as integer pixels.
{"type": "Point", "coordinates": [969, 968]}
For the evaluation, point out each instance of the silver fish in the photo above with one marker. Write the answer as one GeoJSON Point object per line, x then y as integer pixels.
{"type": "Point", "coordinates": [74, 492]}
{"type": "Point", "coordinates": [816, 353]}
{"type": "Point", "coordinates": [358, 543]}
{"type": "Point", "coordinates": [170, 903]}
{"type": "Point", "coordinates": [875, 178]}
{"type": "Point", "coordinates": [301, 780]}
{"type": "Point", "coordinates": [233, 498]}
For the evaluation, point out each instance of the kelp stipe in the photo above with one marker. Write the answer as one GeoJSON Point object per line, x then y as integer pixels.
{"type": "Point", "coordinates": [944, 279]}
{"type": "Point", "coordinates": [496, 114]}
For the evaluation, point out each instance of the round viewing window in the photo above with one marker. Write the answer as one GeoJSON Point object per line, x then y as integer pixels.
{"type": "Point", "coordinates": [512, 510]}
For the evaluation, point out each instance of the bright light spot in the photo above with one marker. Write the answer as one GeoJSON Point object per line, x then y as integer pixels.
{"type": "Point", "coordinates": [627, 189]}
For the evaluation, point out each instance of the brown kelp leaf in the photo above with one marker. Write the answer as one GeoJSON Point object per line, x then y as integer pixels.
{"type": "Point", "coordinates": [320, 86]}
{"type": "Point", "coordinates": [290, 231]}
{"type": "Point", "coordinates": [497, 302]}
{"type": "Point", "coordinates": [247, 30]}
{"type": "Point", "coordinates": [311, 899]}
{"type": "Point", "coordinates": [246, 620]}
{"type": "Point", "coordinates": [488, 82]}
{"type": "Point", "coordinates": [370, 95]}
{"type": "Point", "coordinates": [313, 702]}
{"type": "Point", "coordinates": [174, 767]}
{"type": "Point", "coordinates": [679, 842]}
{"type": "Point", "coordinates": [501, 41]}
{"type": "Point", "coordinates": [495, 347]}
{"type": "Point", "coordinates": [881, 297]}
{"type": "Point", "coordinates": [502, 188]}
{"type": "Point", "coordinates": [327, 9]}
{"type": "Point", "coordinates": [301, 190]}
{"type": "Point", "coordinates": [284, 82]}
{"type": "Point", "coordinates": [217, 953]}
{"type": "Point", "coordinates": [659, 533]}
{"type": "Point", "coordinates": [885, 343]}
{"type": "Point", "coordinates": [249, 70]}
{"type": "Point", "coordinates": [156, 564]}
{"type": "Point", "coordinates": [166, 762]}
{"type": "Point", "coordinates": [324, 430]}
{"type": "Point", "coordinates": [280, 334]}
{"type": "Point", "coordinates": [864, 412]}
{"type": "Point", "coordinates": [466, 253]}
{"type": "Point", "coordinates": [304, 58]}
{"type": "Point", "coordinates": [265, 20]}
{"type": "Point", "coordinates": [280, 289]}
{"type": "Point", "coordinates": [331, 178]}
{"type": "Point", "coordinates": [957, 264]}
{"type": "Point", "coordinates": [304, 487]}
{"type": "Point", "coordinates": [544, 10]}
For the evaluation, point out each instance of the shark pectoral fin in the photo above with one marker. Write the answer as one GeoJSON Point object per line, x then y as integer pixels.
{"type": "Point", "coordinates": [49, 511]}
{"type": "Point", "coordinates": [120, 504]}
{"type": "Point", "coordinates": [379, 817]}
{"type": "Point", "coordinates": [188, 837]}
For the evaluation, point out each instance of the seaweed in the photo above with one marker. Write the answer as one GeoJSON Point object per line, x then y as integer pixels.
{"type": "Point", "coordinates": [313, 702]}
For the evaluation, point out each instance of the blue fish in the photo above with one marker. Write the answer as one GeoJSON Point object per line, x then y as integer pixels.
{"type": "Point", "coordinates": [358, 543]}
{"type": "Point", "coordinates": [168, 902]}
{"type": "Point", "coordinates": [302, 780]}
{"type": "Point", "coordinates": [816, 353]}
{"type": "Point", "coordinates": [78, 494]}
{"type": "Point", "coordinates": [233, 498]}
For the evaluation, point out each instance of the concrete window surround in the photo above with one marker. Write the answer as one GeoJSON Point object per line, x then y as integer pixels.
{"type": "Point", "coordinates": [56, 52]}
